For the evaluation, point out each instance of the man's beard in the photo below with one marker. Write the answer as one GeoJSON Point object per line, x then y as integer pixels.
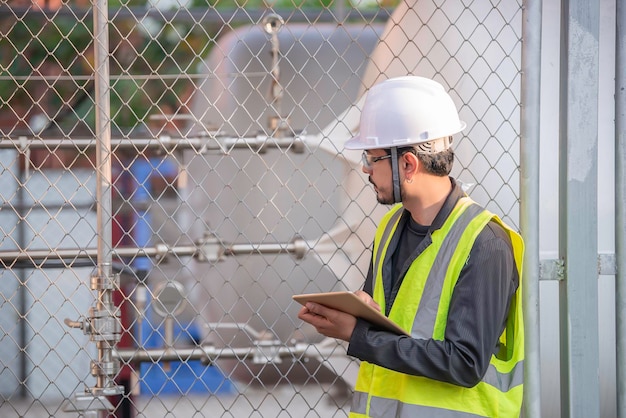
{"type": "Point", "coordinates": [386, 200]}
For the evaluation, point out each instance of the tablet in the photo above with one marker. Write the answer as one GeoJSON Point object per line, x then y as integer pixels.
{"type": "Point", "coordinates": [349, 302]}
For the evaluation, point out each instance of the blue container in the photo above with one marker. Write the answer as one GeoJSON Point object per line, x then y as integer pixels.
{"type": "Point", "coordinates": [178, 378]}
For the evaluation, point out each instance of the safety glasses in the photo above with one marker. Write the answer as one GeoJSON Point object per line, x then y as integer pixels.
{"type": "Point", "coordinates": [367, 160]}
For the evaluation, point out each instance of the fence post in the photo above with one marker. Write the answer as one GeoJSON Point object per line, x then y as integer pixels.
{"type": "Point", "coordinates": [578, 212]}
{"type": "Point", "coordinates": [529, 196]}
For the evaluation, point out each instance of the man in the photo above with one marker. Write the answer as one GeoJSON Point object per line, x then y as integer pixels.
{"type": "Point", "coordinates": [443, 268]}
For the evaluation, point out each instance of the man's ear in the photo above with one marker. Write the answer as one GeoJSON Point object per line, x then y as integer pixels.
{"type": "Point", "coordinates": [410, 164]}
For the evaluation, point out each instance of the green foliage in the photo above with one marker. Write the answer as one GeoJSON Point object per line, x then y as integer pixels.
{"type": "Point", "coordinates": [149, 61]}
{"type": "Point", "coordinates": [32, 43]}
{"type": "Point", "coordinates": [36, 47]}
{"type": "Point", "coordinates": [160, 61]}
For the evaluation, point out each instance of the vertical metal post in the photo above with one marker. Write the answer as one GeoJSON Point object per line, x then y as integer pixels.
{"type": "Point", "coordinates": [103, 324]}
{"type": "Point", "coordinates": [103, 136]}
{"type": "Point", "coordinates": [529, 210]}
{"type": "Point", "coordinates": [620, 202]}
{"type": "Point", "coordinates": [578, 211]}
{"type": "Point", "coordinates": [21, 276]}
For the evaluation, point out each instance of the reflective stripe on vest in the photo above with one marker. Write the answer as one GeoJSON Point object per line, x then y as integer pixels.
{"type": "Point", "coordinates": [424, 324]}
{"type": "Point", "coordinates": [502, 381]}
{"type": "Point", "coordinates": [393, 220]}
{"type": "Point", "coordinates": [383, 407]}
{"type": "Point", "coordinates": [505, 381]}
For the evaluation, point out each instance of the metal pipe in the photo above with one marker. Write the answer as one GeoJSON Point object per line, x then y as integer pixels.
{"type": "Point", "coordinates": [104, 324]}
{"type": "Point", "coordinates": [200, 144]}
{"type": "Point", "coordinates": [297, 247]}
{"type": "Point", "coordinates": [529, 200]}
{"type": "Point", "coordinates": [19, 208]}
{"type": "Point", "coordinates": [103, 137]}
{"type": "Point", "coordinates": [209, 354]}
{"type": "Point", "coordinates": [22, 289]}
{"type": "Point", "coordinates": [620, 203]}
{"type": "Point", "coordinates": [272, 23]}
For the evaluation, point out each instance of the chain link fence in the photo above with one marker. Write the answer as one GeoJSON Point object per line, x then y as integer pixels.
{"type": "Point", "coordinates": [229, 191]}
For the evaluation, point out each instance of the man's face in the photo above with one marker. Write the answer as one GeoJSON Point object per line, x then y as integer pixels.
{"type": "Point", "coordinates": [379, 171]}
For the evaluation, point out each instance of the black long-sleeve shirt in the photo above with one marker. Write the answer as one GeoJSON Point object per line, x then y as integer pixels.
{"type": "Point", "coordinates": [477, 312]}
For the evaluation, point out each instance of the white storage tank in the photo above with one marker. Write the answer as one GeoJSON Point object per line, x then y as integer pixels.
{"type": "Point", "coordinates": [245, 196]}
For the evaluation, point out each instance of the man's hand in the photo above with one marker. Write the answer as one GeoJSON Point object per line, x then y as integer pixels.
{"type": "Point", "coordinates": [329, 322]}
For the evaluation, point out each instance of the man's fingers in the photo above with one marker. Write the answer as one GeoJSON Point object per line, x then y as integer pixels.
{"type": "Point", "coordinates": [327, 321]}
{"type": "Point", "coordinates": [311, 312]}
{"type": "Point", "coordinates": [316, 308]}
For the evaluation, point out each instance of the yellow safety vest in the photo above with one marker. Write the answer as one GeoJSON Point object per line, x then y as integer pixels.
{"type": "Point", "coordinates": [381, 392]}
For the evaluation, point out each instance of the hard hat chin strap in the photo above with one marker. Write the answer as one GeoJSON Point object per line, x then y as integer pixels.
{"type": "Point", "coordinates": [395, 174]}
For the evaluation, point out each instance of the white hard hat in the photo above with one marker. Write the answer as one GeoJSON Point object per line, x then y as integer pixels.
{"type": "Point", "coordinates": [407, 111]}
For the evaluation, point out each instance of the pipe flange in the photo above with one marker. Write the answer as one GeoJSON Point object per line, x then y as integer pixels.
{"type": "Point", "coordinates": [111, 282]}
{"type": "Point", "coordinates": [272, 23]}
{"type": "Point", "coordinates": [104, 325]}
{"type": "Point", "coordinates": [105, 368]}
{"type": "Point", "coordinates": [210, 249]}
